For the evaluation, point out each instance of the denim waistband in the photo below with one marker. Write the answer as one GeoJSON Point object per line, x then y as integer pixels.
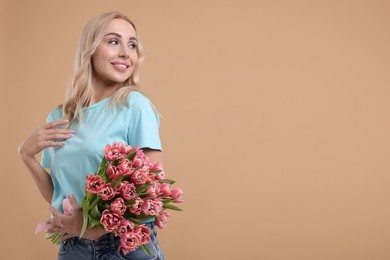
{"type": "Point", "coordinates": [106, 238]}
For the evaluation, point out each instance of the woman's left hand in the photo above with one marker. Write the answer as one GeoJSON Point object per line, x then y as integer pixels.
{"type": "Point", "coordinates": [69, 225]}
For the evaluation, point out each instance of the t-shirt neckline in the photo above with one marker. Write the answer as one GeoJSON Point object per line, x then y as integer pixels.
{"type": "Point", "coordinates": [98, 104]}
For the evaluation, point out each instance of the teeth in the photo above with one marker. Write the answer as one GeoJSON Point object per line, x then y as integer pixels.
{"type": "Point", "coordinates": [121, 65]}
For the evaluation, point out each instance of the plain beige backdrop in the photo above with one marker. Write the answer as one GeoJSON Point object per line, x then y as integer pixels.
{"type": "Point", "coordinates": [275, 122]}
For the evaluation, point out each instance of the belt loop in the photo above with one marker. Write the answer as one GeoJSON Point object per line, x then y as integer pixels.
{"type": "Point", "coordinates": [71, 240]}
{"type": "Point", "coordinates": [153, 228]}
{"type": "Point", "coordinates": [112, 238]}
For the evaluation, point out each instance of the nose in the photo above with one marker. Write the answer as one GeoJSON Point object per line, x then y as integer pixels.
{"type": "Point", "coordinates": [124, 51]}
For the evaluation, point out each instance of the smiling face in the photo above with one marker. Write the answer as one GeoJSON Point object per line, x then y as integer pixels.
{"type": "Point", "coordinates": [116, 56]}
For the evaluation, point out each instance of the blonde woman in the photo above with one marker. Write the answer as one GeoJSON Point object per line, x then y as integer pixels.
{"type": "Point", "coordinates": [102, 106]}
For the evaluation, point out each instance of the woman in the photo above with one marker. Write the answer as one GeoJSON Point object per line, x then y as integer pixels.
{"type": "Point", "coordinates": [102, 106]}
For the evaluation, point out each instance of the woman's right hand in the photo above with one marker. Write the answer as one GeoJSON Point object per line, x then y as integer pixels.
{"type": "Point", "coordinates": [44, 137]}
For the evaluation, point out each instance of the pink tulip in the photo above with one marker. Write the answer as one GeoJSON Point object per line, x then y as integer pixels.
{"type": "Point", "coordinates": [162, 219]}
{"type": "Point", "coordinates": [125, 167]}
{"type": "Point", "coordinates": [116, 151]}
{"type": "Point", "coordinates": [110, 220]}
{"type": "Point", "coordinates": [141, 161]}
{"type": "Point", "coordinates": [130, 241]}
{"type": "Point", "coordinates": [136, 208]}
{"type": "Point", "coordinates": [156, 167]}
{"type": "Point", "coordinates": [176, 193]}
{"type": "Point", "coordinates": [127, 190]}
{"type": "Point", "coordinates": [139, 177]}
{"type": "Point", "coordinates": [152, 207]}
{"type": "Point", "coordinates": [152, 190]}
{"type": "Point", "coordinates": [106, 192]}
{"type": "Point", "coordinates": [144, 233]}
{"type": "Point", "coordinates": [160, 175]}
{"type": "Point", "coordinates": [164, 190]}
{"type": "Point", "coordinates": [68, 209]}
{"type": "Point", "coordinates": [93, 183]}
{"type": "Point", "coordinates": [125, 226]}
{"type": "Point", "coordinates": [118, 206]}
{"type": "Point", "coordinates": [113, 172]}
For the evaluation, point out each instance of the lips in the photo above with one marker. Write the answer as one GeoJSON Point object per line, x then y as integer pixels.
{"type": "Point", "coordinates": [121, 66]}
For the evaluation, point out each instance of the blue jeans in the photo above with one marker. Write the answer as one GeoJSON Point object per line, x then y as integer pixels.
{"type": "Point", "coordinates": [106, 248]}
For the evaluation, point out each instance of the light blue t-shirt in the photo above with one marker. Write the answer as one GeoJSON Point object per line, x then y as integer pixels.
{"type": "Point", "coordinates": [136, 125]}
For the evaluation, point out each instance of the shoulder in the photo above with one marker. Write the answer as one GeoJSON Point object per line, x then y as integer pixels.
{"type": "Point", "coordinates": [137, 97]}
{"type": "Point", "coordinates": [138, 100]}
{"type": "Point", "coordinates": [55, 114]}
{"type": "Point", "coordinates": [140, 106]}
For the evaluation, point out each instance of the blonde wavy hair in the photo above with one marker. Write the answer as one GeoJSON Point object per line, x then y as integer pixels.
{"type": "Point", "coordinates": [79, 89]}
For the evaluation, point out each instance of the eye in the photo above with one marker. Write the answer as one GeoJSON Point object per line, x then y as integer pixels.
{"type": "Point", "coordinates": [114, 42]}
{"type": "Point", "coordinates": [132, 45]}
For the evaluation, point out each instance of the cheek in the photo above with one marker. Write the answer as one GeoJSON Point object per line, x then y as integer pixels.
{"type": "Point", "coordinates": [96, 60]}
{"type": "Point", "coordinates": [134, 57]}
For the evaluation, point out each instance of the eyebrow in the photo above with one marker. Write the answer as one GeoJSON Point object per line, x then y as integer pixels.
{"type": "Point", "coordinates": [120, 36]}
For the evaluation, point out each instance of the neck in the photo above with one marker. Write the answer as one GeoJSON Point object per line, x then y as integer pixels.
{"type": "Point", "coordinates": [101, 90]}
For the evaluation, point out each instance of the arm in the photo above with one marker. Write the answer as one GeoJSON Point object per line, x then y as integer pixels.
{"type": "Point", "coordinates": [154, 155]}
{"type": "Point", "coordinates": [40, 176]}
{"type": "Point", "coordinates": [38, 140]}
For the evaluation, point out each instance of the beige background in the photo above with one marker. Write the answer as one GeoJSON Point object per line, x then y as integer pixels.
{"type": "Point", "coordinates": [275, 122]}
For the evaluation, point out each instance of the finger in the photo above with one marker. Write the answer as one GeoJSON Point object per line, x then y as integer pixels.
{"type": "Point", "coordinates": [58, 131]}
{"type": "Point", "coordinates": [53, 226]}
{"type": "Point", "coordinates": [53, 144]}
{"type": "Point", "coordinates": [55, 229]}
{"type": "Point", "coordinates": [50, 224]}
{"type": "Point", "coordinates": [55, 123]}
{"type": "Point", "coordinates": [56, 214]}
{"type": "Point", "coordinates": [48, 137]}
{"type": "Point", "coordinates": [73, 201]}
{"type": "Point", "coordinates": [54, 222]}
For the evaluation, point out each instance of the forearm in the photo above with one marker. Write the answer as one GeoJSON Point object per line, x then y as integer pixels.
{"type": "Point", "coordinates": [94, 233]}
{"type": "Point", "coordinates": [40, 139]}
{"type": "Point", "coordinates": [40, 176]}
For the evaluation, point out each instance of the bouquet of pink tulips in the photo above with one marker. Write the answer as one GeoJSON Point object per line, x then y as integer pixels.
{"type": "Point", "coordinates": [126, 190]}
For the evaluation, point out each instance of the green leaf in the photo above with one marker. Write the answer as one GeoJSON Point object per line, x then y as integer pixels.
{"type": "Point", "coordinates": [167, 181]}
{"type": "Point", "coordinates": [142, 194]}
{"type": "Point", "coordinates": [143, 188]}
{"type": "Point", "coordinates": [55, 238]}
{"type": "Point", "coordinates": [146, 249]}
{"type": "Point", "coordinates": [95, 213]}
{"type": "Point", "coordinates": [130, 203]}
{"type": "Point", "coordinates": [85, 205]}
{"type": "Point", "coordinates": [102, 168]}
{"type": "Point", "coordinates": [85, 208]}
{"type": "Point", "coordinates": [93, 222]}
{"type": "Point", "coordinates": [115, 183]}
{"type": "Point", "coordinates": [94, 202]}
{"type": "Point", "coordinates": [130, 156]}
{"type": "Point", "coordinates": [167, 201]}
{"type": "Point", "coordinates": [171, 206]}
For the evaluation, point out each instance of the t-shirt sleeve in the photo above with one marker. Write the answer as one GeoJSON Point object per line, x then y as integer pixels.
{"type": "Point", "coordinates": [144, 123]}
{"type": "Point", "coordinates": [46, 157]}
